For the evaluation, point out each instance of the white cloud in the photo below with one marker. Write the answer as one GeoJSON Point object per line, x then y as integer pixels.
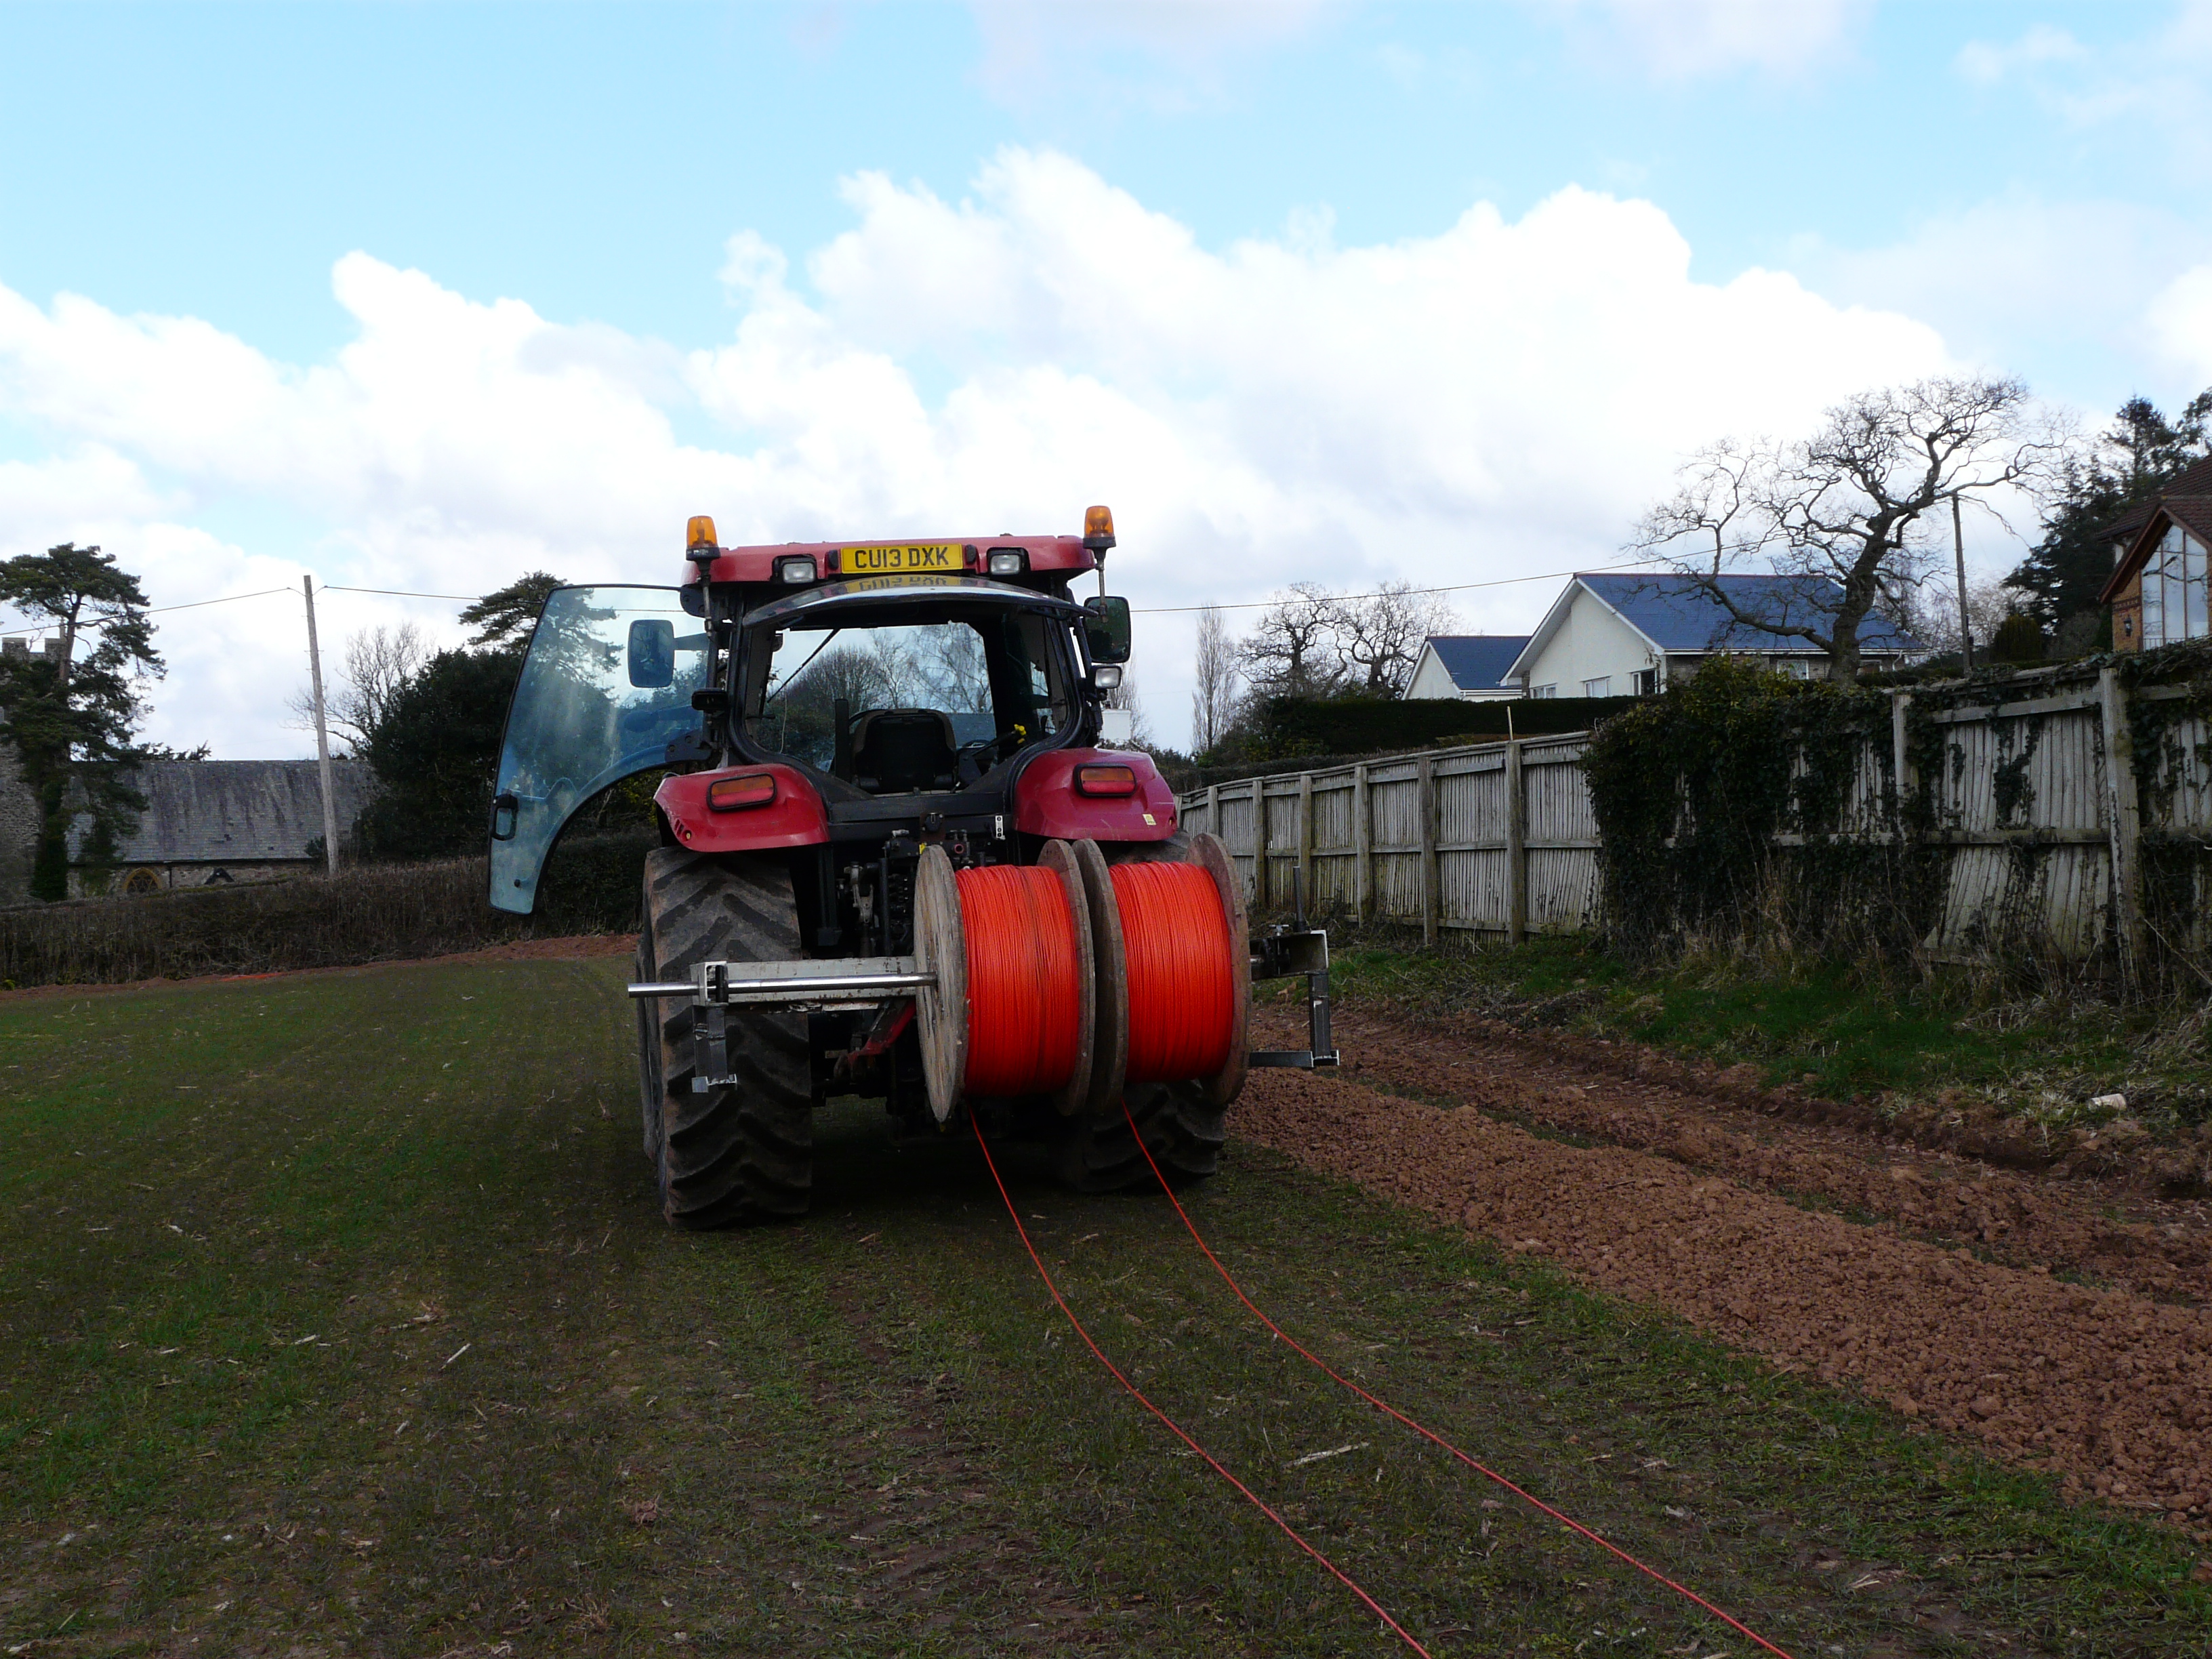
{"type": "Point", "coordinates": [2055, 290]}
{"type": "Point", "coordinates": [1985, 64]}
{"type": "Point", "coordinates": [1680, 39]}
{"type": "Point", "coordinates": [1497, 399]}
{"type": "Point", "coordinates": [2160, 84]}
{"type": "Point", "coordinates": [1031, 48]}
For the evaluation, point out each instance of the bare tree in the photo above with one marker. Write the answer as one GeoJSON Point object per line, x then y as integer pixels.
{"type": "Point", "coordinates": [379, 663]}
{"type": "Point", "coordinates": [1213, 700]}
{"type": "Point", "coordinates": [1379, 636]}
{"type": "Point", "coordinates": [1848, 508]}
{"type": "Point", "coordinates": [1292, 652]}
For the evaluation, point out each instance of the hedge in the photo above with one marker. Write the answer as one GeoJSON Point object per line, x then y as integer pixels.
{"type": "Point", "coordinates": [366, 913]}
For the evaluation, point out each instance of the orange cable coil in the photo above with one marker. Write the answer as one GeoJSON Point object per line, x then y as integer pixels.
{"type": "Point", "coordinates": [1023, 987]}
{"type": "Point", "coordinates": [1181, 964]}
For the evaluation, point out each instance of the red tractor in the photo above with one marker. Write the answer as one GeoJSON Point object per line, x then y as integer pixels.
{"type": "Point", "coordinates": [894, 861]}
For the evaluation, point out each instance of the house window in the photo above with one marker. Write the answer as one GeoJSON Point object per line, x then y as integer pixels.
{"type": "Point", "coordinates": [141, 881]}
{"type": "Point", "coordinates": [1545, 692]}
{"type": "Point", "coordinates": [1647, 682]}
{"type": "Point", "coordinates": [1599, 687]}
{"type": "Point", "coordinates": [2173, 590]}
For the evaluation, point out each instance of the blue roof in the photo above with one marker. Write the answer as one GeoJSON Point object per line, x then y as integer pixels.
{"type": "Point", "coordinates": [1678, 614]}
{"type": "Point", "coordinates": [1478, 662]}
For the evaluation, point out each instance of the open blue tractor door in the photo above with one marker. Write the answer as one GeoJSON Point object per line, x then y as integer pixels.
{"type": "Point", "coordinates": [606, 688]}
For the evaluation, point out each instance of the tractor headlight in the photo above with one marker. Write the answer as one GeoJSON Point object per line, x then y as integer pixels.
{"type": "Point", "coordinates": [1008, 561]}
{"type": "Point", "coordinates": [799, 569]}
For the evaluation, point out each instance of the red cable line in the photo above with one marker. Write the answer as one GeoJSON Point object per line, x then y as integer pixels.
{"type": "Point", "coordinates": [1384, 1407]}
{"type": "Point", "coordinates": [1177, 1429]}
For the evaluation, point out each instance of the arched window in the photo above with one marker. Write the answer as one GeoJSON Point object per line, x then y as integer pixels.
{"type": "Point", "coordinates": [141, 881]}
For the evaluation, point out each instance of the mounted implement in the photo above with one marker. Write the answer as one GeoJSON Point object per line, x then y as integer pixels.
{"type": "Point", "coordinates": [898, 859]}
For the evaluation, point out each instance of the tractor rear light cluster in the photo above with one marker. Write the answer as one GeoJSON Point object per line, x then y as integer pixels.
{"type": "Point", "coordinates": [1008, 561]}
{"type": "Point", "coordinates": [737, 794]}
{"type": "Point", "coordinates": [1108, 781]}
{"type": "Point", "coordinates": [799, 569]}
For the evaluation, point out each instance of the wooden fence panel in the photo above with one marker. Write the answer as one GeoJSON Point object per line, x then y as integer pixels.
{"type": "Point", "coordinates": [2036, 831]}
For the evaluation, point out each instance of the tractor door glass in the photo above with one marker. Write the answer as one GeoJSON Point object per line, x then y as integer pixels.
{"type": "Point", "coordinates": [606, 688]}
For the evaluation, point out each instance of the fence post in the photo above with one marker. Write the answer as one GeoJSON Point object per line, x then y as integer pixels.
{"type": "Point", "coordinates": [2124, 816]}
{"type": "Point", "coordinates": [1363, 848]}
{"type": "Point", "coordinates": [1431, 894]}
{"type": "Point", "coordinates": [1901, 762]}
{"type": "Point", "coordinates": [1306, 845]}
{"type": "Point", "coordinates": [1516, 847]}
{"type": "Point", "coordinates": [1262, 877]}
{"type": "Point", "coordinates": [1213, 814]}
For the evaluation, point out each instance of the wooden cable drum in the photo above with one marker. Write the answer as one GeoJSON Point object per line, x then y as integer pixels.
{"type": "Point", "coordinates": [1175, 972]}
{"type": "Point", "coordinates": [1012, 1011]}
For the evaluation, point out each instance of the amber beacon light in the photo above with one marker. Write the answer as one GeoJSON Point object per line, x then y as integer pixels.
{"type": "Point", "coordinates": [1098, 528]}
{"type": "Point", "coordinates": [700, 542]}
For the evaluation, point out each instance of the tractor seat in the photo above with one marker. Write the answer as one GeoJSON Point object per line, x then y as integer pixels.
{"type": "Point", "coordinates": [896, 750]}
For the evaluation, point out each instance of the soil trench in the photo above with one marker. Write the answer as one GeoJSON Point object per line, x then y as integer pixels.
{"type": "Point", "coordinates": [2105, 1385]}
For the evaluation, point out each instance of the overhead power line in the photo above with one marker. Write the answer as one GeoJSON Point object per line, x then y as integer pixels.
{"type": "Point", "coordinates": [1452, 588]}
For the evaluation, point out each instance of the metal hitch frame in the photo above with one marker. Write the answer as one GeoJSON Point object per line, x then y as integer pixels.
{"type": "Point", "coordinates": [851, 981]}
{"type": "Point", "coordinates": [1284, 953]}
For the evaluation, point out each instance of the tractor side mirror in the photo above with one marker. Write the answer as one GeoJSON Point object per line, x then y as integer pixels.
{"type": "Point", "coordinates": [1106, 629]}
{"type": "Point", "coordinates": [652, 653]}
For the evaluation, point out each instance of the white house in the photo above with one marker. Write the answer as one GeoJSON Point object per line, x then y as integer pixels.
{"type": "Point", "coordinates": [1469, 666]}
{"type": "Point", "coordinates": [1624, 635]}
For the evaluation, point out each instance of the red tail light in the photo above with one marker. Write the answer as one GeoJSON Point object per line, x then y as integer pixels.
{"type": "Point", "coordinates": [1105, 780]}
{"type": "Point", "coordinates": [736, 794]}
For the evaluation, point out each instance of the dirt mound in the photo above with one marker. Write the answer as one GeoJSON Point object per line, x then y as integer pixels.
{"type": "Point", "coordinates": [2107, 1386]}
{"type": "Point", "coordinates": [2163, 1249]}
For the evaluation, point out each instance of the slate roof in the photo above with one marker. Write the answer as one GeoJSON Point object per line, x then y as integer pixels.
{"type": "Point", "coordinates": [1677, 614]}
{"type": "Point", "coordinates": [2194, 480]}
{"type": "Point", "coordinates": [236, 812]}
{"type": "Point", "coordinates": [1478, 662]}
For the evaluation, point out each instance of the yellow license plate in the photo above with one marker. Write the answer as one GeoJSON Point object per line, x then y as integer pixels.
{"type": "Point", "coordinates": [939, 557]}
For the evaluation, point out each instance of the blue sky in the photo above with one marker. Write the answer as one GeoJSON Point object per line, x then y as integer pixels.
{"type": "Point", "coordinates": [1017, 235]}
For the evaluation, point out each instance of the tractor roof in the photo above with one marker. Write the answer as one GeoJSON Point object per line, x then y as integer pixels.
{"type": "Point", "coordinates": [794, 609]}
{"type": "Point", "coordinates": [757, 564]}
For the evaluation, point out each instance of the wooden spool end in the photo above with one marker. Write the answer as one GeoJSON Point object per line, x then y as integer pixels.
{"type": "Point", "coordinates": [940, 947]}
{"type": "Point", "coordinates": [1210, 855]}
{"type": "Point", "coordinates": [1109, 1037]}
{"type": "Point", "coordinates": [1063, 861]}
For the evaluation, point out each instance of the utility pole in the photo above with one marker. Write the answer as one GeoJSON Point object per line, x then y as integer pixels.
{"type": "Point", "coordinates": [322, 734]}
{"type": "Point", "coordinates": [1959, 550]}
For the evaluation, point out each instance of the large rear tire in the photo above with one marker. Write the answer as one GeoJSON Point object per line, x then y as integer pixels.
{"type": "Point", "coordinates": [743, 1152]}
{"type": "Point", "coordinates": [1184, 1134]}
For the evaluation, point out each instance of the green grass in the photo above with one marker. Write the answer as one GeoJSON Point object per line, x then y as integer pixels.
{"type": "Point", "coordinates": [1830, 1029]}
{"type": "Point", "coordinates": [337, 1317]}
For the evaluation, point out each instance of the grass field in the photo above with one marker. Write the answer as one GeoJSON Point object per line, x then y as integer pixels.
{"type": "Point", "coordinates": [338, 1319]}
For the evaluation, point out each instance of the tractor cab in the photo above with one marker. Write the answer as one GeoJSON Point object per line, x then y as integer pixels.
{"type": "Point", "coordinates": [834, 696]}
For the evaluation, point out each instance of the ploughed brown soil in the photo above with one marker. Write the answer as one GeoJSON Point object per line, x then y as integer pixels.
{"type": "Point", "coordinates": [2010, 1306]}
{"type": "Point", "coordinates": [568, 948]}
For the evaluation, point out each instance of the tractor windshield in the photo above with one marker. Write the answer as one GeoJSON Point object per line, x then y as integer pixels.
{"type": "Point", "coordinates": [893, 706]}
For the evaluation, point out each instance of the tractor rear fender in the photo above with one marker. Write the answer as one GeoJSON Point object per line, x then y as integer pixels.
{"type": "Point", "coordinates": [1094, 795]}
{"type": "Point", "coordinates": [743, 809]}
{"type": "Point", "coordinates": [606, 687]}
